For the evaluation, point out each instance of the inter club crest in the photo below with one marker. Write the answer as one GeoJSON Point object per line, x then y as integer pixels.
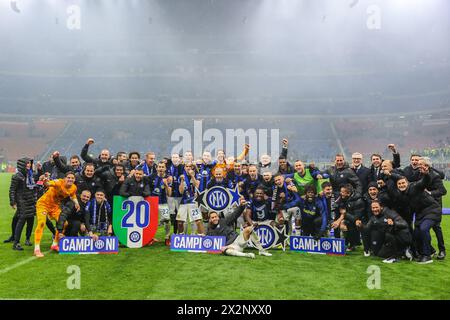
{"type": "Point", "coordinates": [218, 198]}
{"type": "Point", "coordinates": [271, 237]}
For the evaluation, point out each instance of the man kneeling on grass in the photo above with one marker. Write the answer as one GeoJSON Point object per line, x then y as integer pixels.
{"type": "Point", "coordinates": [236, 243]}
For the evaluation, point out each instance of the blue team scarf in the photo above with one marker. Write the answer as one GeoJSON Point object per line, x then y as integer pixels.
{"type": "Point", "coordinates": [187, 179]}
{"type": "Point", "coordinates": [96, 219]}
{"type": "Point", "coordinates": [54, 174]}
{"type": "Point", "coordinates": [173, 171]}
{"type": "Point", "coordinates": [79, 170]}
{"type": "Point", "coordinates": [146, 169]}
{"type": "Point", "coordinates": [30, 180]}
{"type": "Point", "coordinates": [159, 183]}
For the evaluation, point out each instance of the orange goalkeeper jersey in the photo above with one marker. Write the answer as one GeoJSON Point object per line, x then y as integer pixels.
{"type": "Point", "coordinates": [56, 193]}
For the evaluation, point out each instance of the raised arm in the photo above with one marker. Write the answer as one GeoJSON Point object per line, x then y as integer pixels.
{"type": "Point", "coordinates": [84, 152]}
{"type": "Point", "coordinates": [59, 164]}
{"type": "Point", "coordinates": [244, 153]}
{"type": "Point", "coordinates": [284, 148]}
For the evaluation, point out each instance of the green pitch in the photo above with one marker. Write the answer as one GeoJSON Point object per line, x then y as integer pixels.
{"type": "Point", "coordinates": [446, 200]}
{"type": "Point", "coordinates": [156, 273]}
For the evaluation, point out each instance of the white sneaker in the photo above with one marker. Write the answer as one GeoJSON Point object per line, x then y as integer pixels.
{"type": "Point", "coordinates": [366, 253]}
{"type": "Point", "coordinates": [251, 255]}
{"type": "Point", "coordinates": [265, 253]}
{"type": "Point", "coordinates": [408, 254]}
{"type": "Point", "coordinates": [390, 260]}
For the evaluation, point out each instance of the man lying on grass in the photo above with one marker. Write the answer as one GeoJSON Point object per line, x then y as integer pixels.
{"type": "Point", "coordinates": [236, 243]}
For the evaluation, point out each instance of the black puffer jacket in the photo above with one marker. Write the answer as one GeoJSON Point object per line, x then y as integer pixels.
{"type": "Point", "coordinates": [111, 183]}
{"type": "Point", "coordinates": [354, 206]}
{"type": "Point", "coordinates": [97, 162]}
{"type": "Point", "coordinates": [379, 222]}
{"type": "Point", "coordinates": [131, 188]}
{"type": "Point", "coordinates": [421, 202]}
{"type": "Point", "coordinates": [342, 176]}
{"type": "Point", "coordinates": [84, 183]}
{"type": "Point", "coordinates": [22, 193]}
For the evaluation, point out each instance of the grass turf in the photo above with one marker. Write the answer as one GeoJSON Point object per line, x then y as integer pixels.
{"type": "Point", "coordinates": [156, 273]}
{"type": "Point", "coordinates": [446, 200]}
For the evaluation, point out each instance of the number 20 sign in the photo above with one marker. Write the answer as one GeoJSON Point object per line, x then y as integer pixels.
{"type": "Point", "coordinates": [135, 220]}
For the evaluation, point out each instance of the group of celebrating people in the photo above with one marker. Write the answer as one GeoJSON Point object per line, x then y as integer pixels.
{"type": "Point", "coordinates": [388, 210]}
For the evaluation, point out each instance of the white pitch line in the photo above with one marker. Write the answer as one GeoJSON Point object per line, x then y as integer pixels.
{"type": "Point", "coordinates": [21, 263]}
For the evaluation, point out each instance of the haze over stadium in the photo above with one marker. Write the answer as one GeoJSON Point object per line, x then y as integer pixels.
{"type": "Point", "coordinates": [122, 89]}
{"type": "Point", "coordinates": [328, 74]}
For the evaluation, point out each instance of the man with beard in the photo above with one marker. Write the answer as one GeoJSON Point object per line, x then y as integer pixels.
{"type": "Point", "coordinates": [427, 209]}
{"type": "Point", "coordinates": [250, 184]}
{"type": "Point", "coordinates": [284, 167]}
{"type": "Point", "coordinates": [87, 179]}
{"type": "Point", "coordinates": [259, 209]}
{"type": "Point", "coordinates": [204, 170]}
{"type": "Point", "coordinates": [304, 177]}
{"type": "Point", "coordinates": [122, 158]}
{"type": "Point", "coordinates": [386, 234]}
{"type": "Point", "coordinates": [227, 164]}
{"type": "Point", "coordinates": [351, 209]}
{"type": "Point", "coordinates": [75, 163]}
{"type": "Point", "coordinates": [51, 168]}
{"type": "Point", "coordinates": [219, 179]}
{"type": "Point", "coordinates": [340, 174]}
{"type": "Point", "coordinates": [71, 222]}
{"type": "Point", "coordinates": [161, 186]}
{"type": "Point", "coordinates": [267, 183]}
{"type": "Point", "coordinates": [102, 160]}
{"type": "Point", "coordinates": [235, 244]}
{"type": "Point", "coordinates": [437, 190]}
{"type": "Point", "coordinates": [313, 214]}
{"type": "Point", "coordinates": [370, 196]}
{"type": "Point", "coordinates": [111, 181]}
{"type": "Point", "coordinates": [135, 186]}
{"type": "Point", "coordinates": [377, 160]}
{"type": "Point", "coordinates": [235, 176]}
{"type": "Point", "coordinates": [188, 208]}
{"type": "Point", "coordinates": [175, 169]}
{"type": "Point", "coordinates": [22, 198]}
{"type": "Point", "coordinates": [329, 202]}
{"type": "Point", "coordinates": [285, 200]}
{"type": "Point", "coordinates": [100, 215]}
{"type": "Point", "coordinates": [134, 160]}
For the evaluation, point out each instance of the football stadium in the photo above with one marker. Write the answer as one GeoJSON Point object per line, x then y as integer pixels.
{"type": "Point", "coordinates": [224, 150]}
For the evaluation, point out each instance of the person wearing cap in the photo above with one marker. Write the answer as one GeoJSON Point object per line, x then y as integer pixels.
{"type": "Point", "coordinates": [361, 171]}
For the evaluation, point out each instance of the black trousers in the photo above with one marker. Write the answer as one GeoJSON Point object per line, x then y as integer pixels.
{"type": "Point", "coordinates": [18, 223]}
{"type": "Point", "coordinates": [352, 235]}
{"type": "Point", "coordinates": [72, 228]}
{"type": "Point", "coordinates": [439, 236]}
{"type": "Point", "coordinates": [386, 244]}
{"type": "Point", "coordinates": [173, 220]}
{"type": "Point", "coordinates": [422, 236]}
{"type": "Point", "coordinates": [310, 227]}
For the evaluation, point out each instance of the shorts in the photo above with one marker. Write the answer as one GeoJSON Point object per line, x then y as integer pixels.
{"type": "Point", "coordinates": [53, 212]}
{"type": "Point", "coordinates": [174, 204]}
{"type": "Point", "coordinates": [289, 213]}
{"type": "Point", "coordinates": [191, 210]}
{"type": "Point", "coordinates": [164, 212]}
{"type": "Point", "coordinates": [239, 244]}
